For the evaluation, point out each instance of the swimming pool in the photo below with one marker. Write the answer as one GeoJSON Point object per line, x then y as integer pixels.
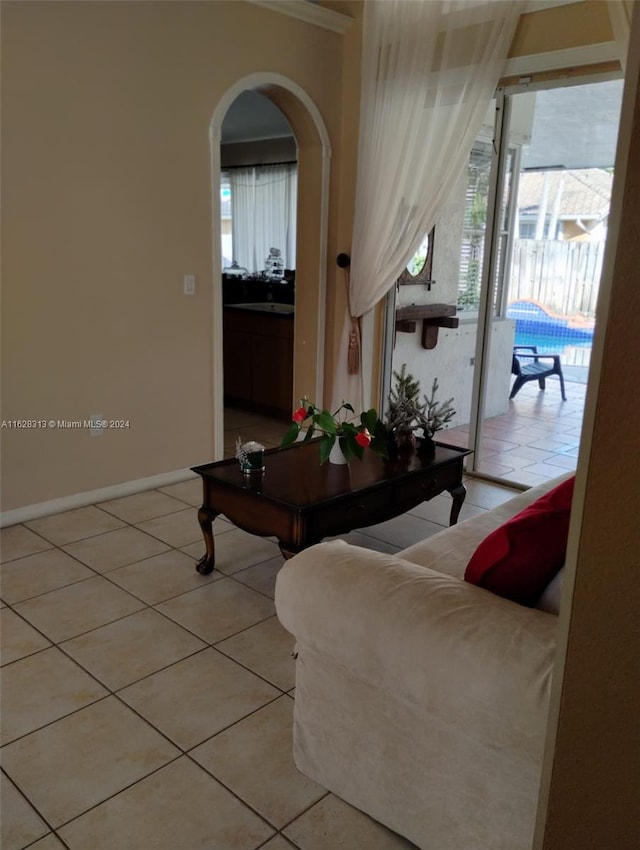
{"type": "Point", "coordinates": [571, 353]}
{"type": "Point", "coordinates": [551, 334]}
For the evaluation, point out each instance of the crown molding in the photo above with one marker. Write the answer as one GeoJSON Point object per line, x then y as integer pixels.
{"type": "Point", "coordinates": [310, 13]}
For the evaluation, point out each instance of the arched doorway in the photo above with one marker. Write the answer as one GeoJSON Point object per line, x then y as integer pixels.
{"type": "Point", "coordinates": [311, 243]}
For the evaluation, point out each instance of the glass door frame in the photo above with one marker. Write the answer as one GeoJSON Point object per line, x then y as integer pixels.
{"type": "Point", "coordinates": [490, 274]}
{"type": "Point", "coordinates": [494, 276]}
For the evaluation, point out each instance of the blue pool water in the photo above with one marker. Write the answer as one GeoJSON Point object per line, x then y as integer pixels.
{"type": "Point", "coordinates": [552, 334]}
{"type": "Point", "coordinates": [572, 353]}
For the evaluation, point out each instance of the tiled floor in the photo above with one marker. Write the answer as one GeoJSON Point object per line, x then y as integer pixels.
{"type": "Point", "coordinates": [146, 706]}
{"type": "Point", "coordinates": [250, 426]}
{"type": "Point", "coordinates": [537, 439]}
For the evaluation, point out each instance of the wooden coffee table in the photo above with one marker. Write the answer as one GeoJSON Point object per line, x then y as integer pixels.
{"type": "Point", "coordinates": [300, 502]}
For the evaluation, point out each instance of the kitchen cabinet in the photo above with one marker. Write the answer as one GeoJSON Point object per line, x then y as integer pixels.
{"type": "Point", "coordinates": [258, 361]}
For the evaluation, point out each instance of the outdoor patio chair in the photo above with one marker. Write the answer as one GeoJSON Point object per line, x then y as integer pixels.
{"type": "Point", "coordinates": [535, 370]}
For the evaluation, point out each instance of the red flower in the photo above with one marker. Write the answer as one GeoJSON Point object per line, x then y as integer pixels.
{"type": "Point", "coordinates": [363, 438]}
{"type": "Point", "coordinates": [299, 415]}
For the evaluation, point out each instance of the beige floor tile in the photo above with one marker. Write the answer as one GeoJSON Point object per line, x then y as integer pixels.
{"type": "Point", "coordinates": [483, 494]}
{"type": "Point", "coordinates": [19, 639]}
{"type": "Point", "coordinates": [267, 649]}
{"type": "Point", "coordinates": [196, 550]}
{"type": "Point", "coordinates": [236, 418]}
{"type": "Point", "coordinates": [402, 531]}
{"type": "Point", "coordinates": [276, 843]}
{"type": "Point", "coordinates": [49, 842]}
{"type": "Point", "coordinates": [239, 549]}
{"type": "Point", "coordinates": [220, 525]}
{"type": "Point", "coordinates": [20, 824]}
{"type": "Point", "coordinates": [254, 759]}
{"type": "Point", "coordinates": [531, 480]}
{"type": "Point", "coordinates": [438, 510]}
{"type": "Point", "coordinates": [365, 541]}
{"type": "Point", "coordinates": [176, 529]}
{"type": "Point", "coordinates": [42, 688]}
{"type": "Point", "coordinates": [333, 823]}
{"type": "Point", "coordinates": [218, 610]}
{"type": "Point", "coordinates": [142, 506]}
{"type": "Point", "coordinates": [161, 577]}
{"type": "Point", "coordinates": [18, 542]}
{"type": "Point", "coordinates": [79, 761]}
{"type": "Point", "coordinates": [115, 549]}
{"type": "Point", "coordinates": [120, 653]}
{"type": "Point", "coordinates": [72, 610]}
{"type": "Point", "coordinates": [197, 697]}
{"type": "Point", "coordinates": [186, 491]}
{"type": "Point", "coordinates": [40, 573]}
{"type": "Point", "coordinates": [180, 807]}
{"type": "Point", "coordinates": [74, 525]}
{"type": "Point", "coordinates": [262, 577]}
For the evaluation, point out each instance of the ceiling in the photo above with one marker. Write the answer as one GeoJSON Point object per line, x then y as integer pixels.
{"type": "Point", "coordinates": [251, 117]}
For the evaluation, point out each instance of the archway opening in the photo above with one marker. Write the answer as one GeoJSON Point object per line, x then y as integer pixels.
{"type": "Point", "coordinates": [258, 200]}
{"type": "Point", "coordinates": [313, 155]}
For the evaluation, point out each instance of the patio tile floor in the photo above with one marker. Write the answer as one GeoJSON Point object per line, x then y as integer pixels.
{"type": "Point", "coordinates": [535, 440]}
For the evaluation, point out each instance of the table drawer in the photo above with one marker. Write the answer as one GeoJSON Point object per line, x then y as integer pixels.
{"type": "Point", "coordinates": [410, 493]}
{"type": "Point", "coordinates": [355, 512]}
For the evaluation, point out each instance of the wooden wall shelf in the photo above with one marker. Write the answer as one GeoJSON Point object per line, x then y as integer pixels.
{"type": "Point", "coordinates": [433, 317]}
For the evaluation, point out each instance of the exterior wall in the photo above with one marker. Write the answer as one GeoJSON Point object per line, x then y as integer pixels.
{"type": "Point", "coordinates": [452, 360]}
{"type": "Point", "coordinates": [452, 363]}
{"type": "Point", "coordinates": [107, 204]}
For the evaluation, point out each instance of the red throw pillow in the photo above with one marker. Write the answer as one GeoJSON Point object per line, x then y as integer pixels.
{"type": "Point", "coordinates": [519, 559]}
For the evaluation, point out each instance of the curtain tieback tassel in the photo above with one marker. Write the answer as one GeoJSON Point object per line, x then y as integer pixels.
{"type": "Point", "coordinates": [353, 355]}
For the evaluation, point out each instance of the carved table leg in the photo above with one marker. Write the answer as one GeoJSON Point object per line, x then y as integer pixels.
{"type": "Point", "coordinates": [206, 563]}
{"type": "Point", "coordinates": [458, 496]}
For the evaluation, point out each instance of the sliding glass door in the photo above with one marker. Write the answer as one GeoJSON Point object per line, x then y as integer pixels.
{"type": "Point", "coordinates": [529, 220]}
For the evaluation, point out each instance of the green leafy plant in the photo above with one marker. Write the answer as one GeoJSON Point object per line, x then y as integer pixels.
{"type": "Point", "coordinates": [408, 414]}
{"type": "Point", "coordinates": [354, 433]}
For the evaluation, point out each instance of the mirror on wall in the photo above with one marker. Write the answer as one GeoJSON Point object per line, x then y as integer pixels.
{"type": "Point", "coordinates": [419, 267]}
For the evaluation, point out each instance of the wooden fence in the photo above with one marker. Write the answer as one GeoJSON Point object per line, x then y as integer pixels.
{"type": "Point", "coordinates": [563, 276]}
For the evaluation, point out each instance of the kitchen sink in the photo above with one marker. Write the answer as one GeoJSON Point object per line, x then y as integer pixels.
{"type": "Point", "coordinates": [266, 307]}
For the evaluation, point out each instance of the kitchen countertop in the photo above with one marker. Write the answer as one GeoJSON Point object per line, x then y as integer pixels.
{"type": "Point", "coordinates": [265, 307]}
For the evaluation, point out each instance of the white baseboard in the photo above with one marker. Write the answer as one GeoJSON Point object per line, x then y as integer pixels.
{"type": "Point", "coordinates": [91, 497]}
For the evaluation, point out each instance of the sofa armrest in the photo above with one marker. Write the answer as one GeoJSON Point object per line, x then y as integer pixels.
{"type": "Point", "coordinates": [441, 643]}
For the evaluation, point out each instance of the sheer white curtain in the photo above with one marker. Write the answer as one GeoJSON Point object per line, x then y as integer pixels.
{"type": "Point", "coordinates": [263, 203]}
{"type": "Point", "coordinates": [429, 70]}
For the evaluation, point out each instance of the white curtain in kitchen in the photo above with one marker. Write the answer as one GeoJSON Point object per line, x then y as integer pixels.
{"type": "Point", "coordinates": [429, 71]}
{"type": "Point", "coordinates": [263, 210]}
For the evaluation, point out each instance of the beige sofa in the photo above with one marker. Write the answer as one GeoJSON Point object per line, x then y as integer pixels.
{"type": "Point", "coordinates": [421, 699]}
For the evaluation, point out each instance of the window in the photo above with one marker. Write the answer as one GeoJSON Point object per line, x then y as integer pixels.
{"type": "Point", "coordinates": [475, 218]}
